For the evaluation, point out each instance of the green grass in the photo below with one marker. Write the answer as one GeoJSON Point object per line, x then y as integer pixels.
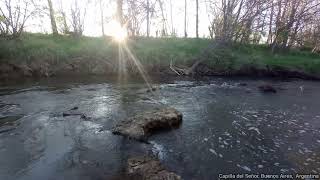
{"type": "Point", "coordinates": [152, 51]}
{"type": "Point", "coordinates": [162, 51]}
{"type": "Point", "coordinates": [260, 55]}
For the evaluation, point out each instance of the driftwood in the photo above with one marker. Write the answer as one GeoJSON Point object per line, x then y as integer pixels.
{"type": "Point", "coordinates": [197, 61]}
{"type": "Point", "coordinates": [173, 69]}
{"type": "Point", "coordinates": [185, 71]}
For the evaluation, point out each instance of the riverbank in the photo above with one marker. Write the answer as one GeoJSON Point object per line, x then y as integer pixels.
{"type": "Point", "coordinates": [38, 55]}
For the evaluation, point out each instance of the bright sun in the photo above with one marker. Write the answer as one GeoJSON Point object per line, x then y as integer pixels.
{"type": "Point", "coordinates": [118, 32]}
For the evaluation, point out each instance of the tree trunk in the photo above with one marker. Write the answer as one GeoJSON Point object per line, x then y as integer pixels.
{"type": "Point", "coordinates": [65, 25]}
{"type": "Point", "coordinates": [288, 27]}
{"type": "Point", "coordinates": [102, 18]}
{"type": "Point", "coordinates": [171, 16]}
{"type": "Point", "coordinates": [197, 18]}
{"type": "Point", "coordinates": [278, 24]}
{"type": "Point", "coordinates": [52, 18]}
{"type": "Point", "coordinates": [148, 18]}
{"type": "Point", "coordinates": [270, 35]}
{"type": "Point", "coordinates": [185, 19]}
{"type": "Point", "coordinates": [120, 12]}
{"type": "Point", "coordinates": [164, 27]}
{"type": "Point", "coordinates": [223, 35]}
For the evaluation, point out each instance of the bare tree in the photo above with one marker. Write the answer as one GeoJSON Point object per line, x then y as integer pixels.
{"type": "Point", "coordinates": [307, 35]}
{"type": "Point", "coordinates": [237, 20]}
{"type": "Point", "coordinates": [284, 22]}
{"type": "Point", "coordinates": [292, 15]}
{"type": "Point", "coordinates": [173, 33]}
{"type": "Point", "coordinates": [148, 18]}
{"type": "Point", "coordinates": [65, 28]}
{"type": "Point", "coordinates": [52, 18]}
{"type": "Point", "coordinates": [271, 16]}
{"type": "Point", "coordinates": [78, 15]}
{"type": "Point", "coordinates": [163, 18]}
{"type": "Point", "coordinates": [13, 16]}
{"type": "Point", "coordinates": [61, 20]}
{"type": "Point", "coordinates": [185, 19]}
{"type": "Point", "coordinates": [137, 12]}
{"type": "Point", "coordinates": [197, 18]}
{"type": "Point", "coordinates": [102, 17]}
{"type": "Point", "coordinates": [226, 19]}
{"type": "Point", "coordinates": [119, 15]}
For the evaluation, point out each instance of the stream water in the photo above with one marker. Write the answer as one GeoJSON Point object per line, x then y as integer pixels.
{"type": "Point", "coordinates": [227, 128]}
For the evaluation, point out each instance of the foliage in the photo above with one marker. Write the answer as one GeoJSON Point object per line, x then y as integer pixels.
{"type": "Point", "coordinates": [152, 51]}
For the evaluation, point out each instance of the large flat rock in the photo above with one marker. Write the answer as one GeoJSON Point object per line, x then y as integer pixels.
{"type": "Point", "coordinates": [148, 168]}
{"type": "Point", "coordinates": [141, 126]}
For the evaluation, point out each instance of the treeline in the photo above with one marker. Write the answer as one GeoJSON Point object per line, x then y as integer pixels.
{"type": "Point", "coordinates": [14, 15]}
{"type": "Point", "coordinates": [282, 24]}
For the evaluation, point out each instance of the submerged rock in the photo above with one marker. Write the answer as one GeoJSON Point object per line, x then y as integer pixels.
{"type": "Point", "coordinates": [149, 169]}
{"type": "Point", "coordinates": [152, 89]}
{"type": "Point", "coordinates": [242, 84]}
{"type": "Point", "coordinates": [141, 126]}
{"type": "Point", "coordinates": [74, 108]}
{"type": "Point", "coordinates": [267, 88]}
{"type": "Point", "coordinates": [74, 112]}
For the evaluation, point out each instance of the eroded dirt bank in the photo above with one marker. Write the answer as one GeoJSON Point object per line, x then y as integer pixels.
{"type": "Point", "coordinates": [9, 71]}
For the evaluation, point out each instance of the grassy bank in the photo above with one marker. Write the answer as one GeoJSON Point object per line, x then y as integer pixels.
{"type": "Point", "coordinates": [49, 53]}
{"type": "Point", "coordinates": [38, 47]}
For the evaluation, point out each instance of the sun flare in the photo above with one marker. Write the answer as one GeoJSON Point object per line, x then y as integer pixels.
{"type": "Point", "coordinates": [118, 32]}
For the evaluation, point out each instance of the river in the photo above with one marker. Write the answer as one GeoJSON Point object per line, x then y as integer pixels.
{"type": "Point", "coordinates": [227, 128]}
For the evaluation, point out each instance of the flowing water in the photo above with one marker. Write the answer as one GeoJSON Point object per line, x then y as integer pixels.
{"type": "Point", "coordinates": [227, 128]}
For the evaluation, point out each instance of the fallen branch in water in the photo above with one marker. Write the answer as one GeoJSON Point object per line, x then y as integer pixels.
{"type": "Point", "coordinates": [197, 61]}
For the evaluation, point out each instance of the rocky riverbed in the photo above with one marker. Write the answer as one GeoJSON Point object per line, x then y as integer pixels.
{"type": "Point", "coordinates": [229, 126]}
{"type": "Point", "coordinates": [141, 126]}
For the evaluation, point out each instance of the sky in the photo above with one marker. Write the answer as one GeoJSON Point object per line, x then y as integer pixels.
{"type": "Point", "coordinates": [93, 21]}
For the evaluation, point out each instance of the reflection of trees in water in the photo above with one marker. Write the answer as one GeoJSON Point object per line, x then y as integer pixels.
{"type": "Point", "coordinates": [95, 152]}
{"type": "Point", "coordinates": [109, 152]}
{"type": "Point", "coordinates": [35, 143]}
{"type": "Point", "coordinates": [129, 96]}
{"type": "Point", "coordinates": [74, 128]}
{"type": "Point", "coordinates": [124, 96]}
{"type": "Point", "coordinates": [135, 99]}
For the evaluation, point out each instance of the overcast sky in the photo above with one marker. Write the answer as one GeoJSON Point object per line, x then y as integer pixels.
{"type": "Point", "coordinates": [93, 21]}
